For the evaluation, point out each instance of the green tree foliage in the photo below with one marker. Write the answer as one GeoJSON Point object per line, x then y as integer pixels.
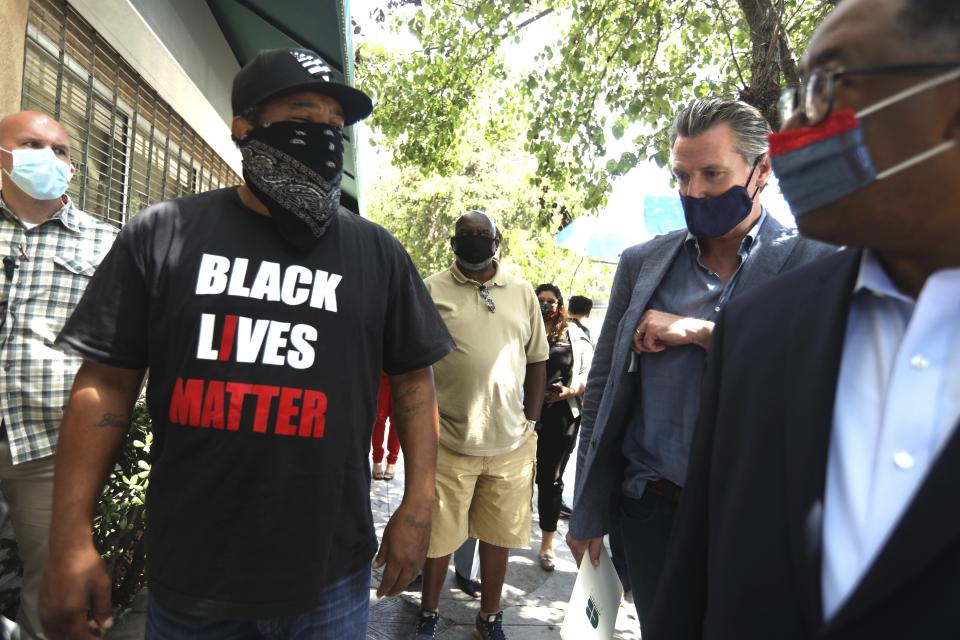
{"type": "Point", "coordinates": [611, 68]}
{"type": "Point", "coordinates": [492, 176]}
{"type": "Point", "coordinates": [118, 524]}
{"type": "Point", "coordinates": [120, 519]}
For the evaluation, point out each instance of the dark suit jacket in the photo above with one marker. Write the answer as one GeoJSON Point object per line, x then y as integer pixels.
{"type": "Point", "coordinates": [745, 559]}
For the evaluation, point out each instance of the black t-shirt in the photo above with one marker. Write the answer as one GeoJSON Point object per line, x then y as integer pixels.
{"type": "Point", "coordinates": [264, 370]}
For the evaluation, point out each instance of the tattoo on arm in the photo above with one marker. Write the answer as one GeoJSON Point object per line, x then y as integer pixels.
{"type": "Point", "coordinates": [114, 420]}
{"type": "Point", "coordinates": [406, 403]}
{"type": "Point", "coordinates": [410, 521]}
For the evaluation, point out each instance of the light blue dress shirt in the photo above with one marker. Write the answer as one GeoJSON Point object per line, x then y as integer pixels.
{"type": "Point", "coordinates": [898, 402]}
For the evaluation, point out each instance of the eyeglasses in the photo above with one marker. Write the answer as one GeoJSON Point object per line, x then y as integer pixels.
{"type": "Point", "coordinates": [814, 97]}
{"type": "Point", "coordinates": [487, 300]}
{"type": "Point", "coordinates": [549, 303]}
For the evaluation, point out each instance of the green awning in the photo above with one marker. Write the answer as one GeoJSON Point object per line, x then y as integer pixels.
{"type": "Point", "coordinates": [323, 26]}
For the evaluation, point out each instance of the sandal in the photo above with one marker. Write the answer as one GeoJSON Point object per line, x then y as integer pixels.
{"type": "Point", "coordinates": [377, 471]}
{"type": "Point", "coordinates": [388, 474]}
{"type": "Point", "coordinates": [546, 562]}
{"type": "Point", "coordinates": [468, 586]}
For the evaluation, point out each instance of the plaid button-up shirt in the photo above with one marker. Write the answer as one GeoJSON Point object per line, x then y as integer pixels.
{"type": "Point", "coordinates": [46, 269]}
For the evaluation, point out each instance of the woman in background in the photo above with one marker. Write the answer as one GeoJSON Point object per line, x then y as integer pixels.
{"type": "Point", "coordinates": [567, 369]}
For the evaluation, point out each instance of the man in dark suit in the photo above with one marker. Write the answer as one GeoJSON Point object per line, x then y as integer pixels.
{"type": "Point", "coordinates": [822, 494]}
{"type": "Point", "coordinates": [643, 390]}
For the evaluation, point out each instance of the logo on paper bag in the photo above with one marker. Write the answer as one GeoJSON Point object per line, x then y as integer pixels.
{"type": "Point", "coordinates": [593, 612]}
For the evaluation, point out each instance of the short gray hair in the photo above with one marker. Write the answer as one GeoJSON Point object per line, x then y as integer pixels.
{"type": "Point", "coordinates": [749, 126]}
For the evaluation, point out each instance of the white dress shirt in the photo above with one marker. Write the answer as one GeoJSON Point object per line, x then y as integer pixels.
{"type": "Point", "coordinates": [897, 404]}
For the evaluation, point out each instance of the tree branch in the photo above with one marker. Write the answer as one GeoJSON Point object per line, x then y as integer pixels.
{"type": "Point", "coordinates": [530, 21]}
{"type": "Point", "coordinates": [733, 54]}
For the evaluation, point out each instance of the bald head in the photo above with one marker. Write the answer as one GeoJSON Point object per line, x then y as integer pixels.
{"type": "Point", "coordinates": [33, 130]}
{"type": "Point", "coordinates": [474, 222]}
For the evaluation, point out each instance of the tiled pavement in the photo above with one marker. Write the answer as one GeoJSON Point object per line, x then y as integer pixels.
{"type": "Point", "coordinates": [533, 601]}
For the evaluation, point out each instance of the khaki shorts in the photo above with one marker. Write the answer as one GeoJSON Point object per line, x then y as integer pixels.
{"type": "Point", "coordinates": [485, 497]}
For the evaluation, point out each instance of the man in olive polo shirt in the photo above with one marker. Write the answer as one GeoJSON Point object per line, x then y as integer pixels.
{"type": "Point", "coordinates": [489, 390]}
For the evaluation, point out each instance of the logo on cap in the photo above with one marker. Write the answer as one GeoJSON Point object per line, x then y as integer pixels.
{"type": "Point", "coordinates": [313, 64]}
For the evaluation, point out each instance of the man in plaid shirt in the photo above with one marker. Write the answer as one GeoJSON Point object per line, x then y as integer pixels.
{"type": "Point", "coordinates": [49, 250]}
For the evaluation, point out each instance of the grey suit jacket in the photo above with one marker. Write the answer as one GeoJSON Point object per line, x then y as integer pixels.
{"type": "Point", "coordinates": [610, 390]}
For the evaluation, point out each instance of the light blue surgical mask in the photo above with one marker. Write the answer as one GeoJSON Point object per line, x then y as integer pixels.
{"type": "Point", "coordinates": [819, 165]}
{"type": "Point", "coordinates": [39, 173]}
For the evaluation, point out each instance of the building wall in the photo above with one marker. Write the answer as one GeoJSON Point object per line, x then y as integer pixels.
{"type": "Point", "coordinates": [131, 34]}
{"type": "Point", "coordinates": [13, 26]}
{"type": "Point", "coordinates": [174, 44]}
{"type": "Point", "coordinates": [131, 146]}
{"type": "Point", "coordinates": [192, 35]}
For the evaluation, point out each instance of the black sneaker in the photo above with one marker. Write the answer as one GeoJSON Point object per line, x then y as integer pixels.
{"type": "Point", "coordinates": [565, 511]}
{"type": "Point", "coordinates": [426, 626]}
{"type": "Point", "coordinates": [489, 629]}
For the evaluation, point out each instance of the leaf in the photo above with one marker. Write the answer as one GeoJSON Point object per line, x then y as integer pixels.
{"type": "Point", "coordinates": [634, 64]}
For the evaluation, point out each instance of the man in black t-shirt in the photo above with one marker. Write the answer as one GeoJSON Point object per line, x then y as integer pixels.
{"type": "Point", "coordinates": [264, 314]}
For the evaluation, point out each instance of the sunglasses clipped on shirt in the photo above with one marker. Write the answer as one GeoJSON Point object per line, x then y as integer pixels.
{"type": "Point", "coordinates": [487, 299]}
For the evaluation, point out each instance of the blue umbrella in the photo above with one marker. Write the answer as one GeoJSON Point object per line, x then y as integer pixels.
{"type": "Point", "coordinates": [604, 237]}
{"type": "Point", "coordinates": [662, 214]}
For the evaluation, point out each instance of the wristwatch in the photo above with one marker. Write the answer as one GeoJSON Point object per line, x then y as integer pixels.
{"type": "Point", "coordinates": [531, 423]}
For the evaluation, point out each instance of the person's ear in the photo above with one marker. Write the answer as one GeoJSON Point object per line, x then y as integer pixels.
{"type": "Point", "coordinates": [240, 127]}
{"type": "Point", "coordinates": [764, 169]}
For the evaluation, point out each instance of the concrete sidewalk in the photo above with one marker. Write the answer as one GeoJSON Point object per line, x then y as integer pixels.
{"type": "Point", "coordinates": [534, 602]}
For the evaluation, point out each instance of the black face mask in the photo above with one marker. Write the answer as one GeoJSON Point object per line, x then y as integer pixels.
{"type": "Point", "coordinates": [473, 249]}
{"type": "Point", "coordinates": [294, 169]}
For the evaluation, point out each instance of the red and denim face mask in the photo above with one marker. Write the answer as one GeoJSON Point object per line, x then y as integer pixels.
{"type": "Point", "coordinates": [821, 164]}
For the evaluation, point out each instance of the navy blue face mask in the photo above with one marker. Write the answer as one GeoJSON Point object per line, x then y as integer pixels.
{"type": "Point", "coordinates": [714, 217]}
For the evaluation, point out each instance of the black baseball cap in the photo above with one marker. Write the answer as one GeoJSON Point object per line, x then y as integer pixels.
{"type": "Point", "coordinates": [276, 72]}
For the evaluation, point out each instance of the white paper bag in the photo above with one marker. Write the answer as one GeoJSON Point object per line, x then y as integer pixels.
{"type": "Point", "coordinates": [592, 611]}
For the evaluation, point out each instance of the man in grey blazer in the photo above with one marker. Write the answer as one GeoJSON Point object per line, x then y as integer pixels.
{"type": "Point", "coordinates": [643, 392]}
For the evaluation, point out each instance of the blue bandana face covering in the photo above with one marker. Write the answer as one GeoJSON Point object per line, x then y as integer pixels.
{"type": "Point", "coordinates": [714, 217]}
{"type": "Point", "coordinates": [821, 164]}
{"type": "Point", "coordinates": [39, 173]}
